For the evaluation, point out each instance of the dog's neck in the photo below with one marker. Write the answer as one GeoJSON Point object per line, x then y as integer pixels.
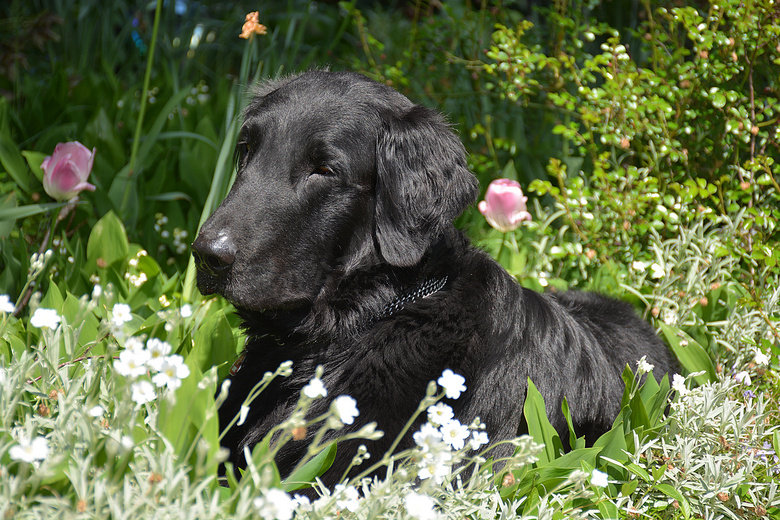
{"type": "Point", "coordinates": [351, 305]}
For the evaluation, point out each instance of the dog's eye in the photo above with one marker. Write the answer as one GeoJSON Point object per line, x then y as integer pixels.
{"type": "Point", "coordinates": [242, 150]}
{"type": "Point", "coordinates": [323, 170]}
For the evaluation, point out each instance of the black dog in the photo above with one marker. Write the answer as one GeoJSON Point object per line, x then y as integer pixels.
{"type": "Point", "coordinates": [336, 245]}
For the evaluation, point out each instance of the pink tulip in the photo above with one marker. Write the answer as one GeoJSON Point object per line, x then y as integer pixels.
{"type": "Point", "coordinates": [504, 205]}
{"type": "Point", "coordinates": [66, 171]}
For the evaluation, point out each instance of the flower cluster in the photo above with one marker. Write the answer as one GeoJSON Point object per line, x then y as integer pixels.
{"type": "Point", "coordinates": [443, 434]}
{"type": "Point", "coordinates": [155, 359]}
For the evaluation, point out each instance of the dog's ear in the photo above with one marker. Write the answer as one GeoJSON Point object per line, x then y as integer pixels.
{"type": "Point", "coordinates": [423, 183]}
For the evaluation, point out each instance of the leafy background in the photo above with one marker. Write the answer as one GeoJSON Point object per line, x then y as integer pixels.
{"type": "Point", "coordinates": [645, 134]}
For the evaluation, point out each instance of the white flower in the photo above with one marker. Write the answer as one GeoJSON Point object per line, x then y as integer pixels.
{"type": "Point", "coordinates": [452, 383]}
{"type": "Point", "coordinates": [6, 305]}
{"type": "Point", "coordinates": [643, 367]}
{"type": "Point", "coordinates": [439, 414]}
{"type": "Point", "coordinates": [455, 434]}
{"type": "Point", "coordinates": [132, 363]}
{"type": "Point", "coordinates": [678, 384]}
{"type": "Point", "coordinates": [435, 466]}
{"type": "Point", "coordinates": [186, 310]}
{"type": "Point", "coordinates": [599, 478]}
{"type": "Point", "coordinates": [350, 497]}
{"type": "Point", "coordinates": [97, 290]}
{"type": "Point", "coordinates": [302, 503]}
{"type": "Point", "coordinates": [120, 314]}
{"type": "Point", "coordinates": [744, 378]}
{"type": "Point", "coordinates": [275, 504]}
{"type": "Point", "coordinates": [638, 266]}
{"type": "Point", "coordinates": [420, 507]}
{"type": "Point", "coordinates": [242, 414]}
{"type": "Point", "coordinates": [345, 409]}
{"type": "Point", "coordinates": [134, 344]}
{"type": "Point", "coordinates": [96, 411]}
{"type": "Point", "coordinates": [158, 352]}
{"type": "Point", "coordinates": [315, 389]}
{"type": "Point", "coordinates": [143, 392]}
{"type": "Point", "coordinates": [656, 271]}
{"type": "Point", "coordinates": [30, 451]}
{"type": "Point", "coordinates": [478, 439]}
{"type": "Point", "coordinates": [429, 438]}
{"type": "Point", "coordinates": [761, 358]}
{"type": "Point", "coordinates": [45, 318]}
{"type": "Point", "coordinates": [172, 371]}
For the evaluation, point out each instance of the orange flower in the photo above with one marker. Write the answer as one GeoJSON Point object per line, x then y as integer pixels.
{"type": "Point", "coordinates": [252, 26]}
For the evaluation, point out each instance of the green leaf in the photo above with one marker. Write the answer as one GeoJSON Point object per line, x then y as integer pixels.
{"type": "Point", "coordinates": [539, 426]}
{"type": "Point", "coordinates": [215, 344]}
{"type": "Point", "coordinates": [107, 243]}
{"type": "Point", "coordinates": [674, 494]}
{"type": "Point", "coordinates": [305, 475]}
{"type": "Point", "coordinates": [34, 161]}
{"type": "Point", "coordinates": [13, 213]}
{"type": "Point", "coordinates": [14, 164]}
{"type": "Point", "coordinates": [691, 355]}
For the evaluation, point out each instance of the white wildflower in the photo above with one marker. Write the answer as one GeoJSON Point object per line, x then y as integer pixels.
{"type": "Point", "coordinates": [120, 314]}
{"type": "Point", "coordinates": [478, 439]}
{"type": "Point", "coordinates": [30, 450]}
{"type": "Point", "coordinates": [452, 383]}
{"type": "Point", "coordinates": [420, 507]}
{"type": "Point", "coordinates": [242, 414]}
{"type": "Point", "coordinates": [6, 305]}
{"type": "Point", "coordinates": [45, 318]}
{"type": "Point", "coordinates": [143, 392]}
{"type": "Point", "coordinates": [440, 414]}
{"type": "Point", "coordinates": [761, 358]}
{"type": "Point", "coordinates": [643, 367]}
{"type": "Point", "coordinates": [172, 371]}
{"type": "Point", "coordinates": [678, 384]}
{"type": "Point", "coordinates": [599, 478]}
{"type": "Point", "coordinates": [429, 438]}
{"type": "Point", "coordinates": [345, 409]}
{"type": "Point", "coordinates": [638, 266]}
{"type": "Point", "coordinates": [315, 389]}
{"type": "Point", "coordinates": [275, 504]}
{"type": "Point", "coordinates": [455, 434]}
{"type": "Point", "coordinates": [656, 271]}
{"type": "Point", "coordinates": [132, 363]}
{"type": "Point", "coordinates": [158, 352]}
{"type": "Point", "coordinates": [435, 466]}
{"type": "Point", "coordinates": [96, 411]}
{"type": "Point", "coordinates": [348, 497]}
{"type": "Point", "coordinates": [186, 310]}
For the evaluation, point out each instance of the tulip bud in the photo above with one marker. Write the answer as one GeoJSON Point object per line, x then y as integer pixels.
{"type": "Point", "coordinates": [66, 171]}
{"type": "Point", "coordinates": [504, 205]}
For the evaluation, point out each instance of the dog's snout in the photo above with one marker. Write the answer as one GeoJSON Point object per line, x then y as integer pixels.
{"type": "Point", "coordinates": [214, 256]}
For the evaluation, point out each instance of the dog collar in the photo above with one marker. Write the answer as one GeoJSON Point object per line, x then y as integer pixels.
{"type": "Point", "coordinates": [425, 289]}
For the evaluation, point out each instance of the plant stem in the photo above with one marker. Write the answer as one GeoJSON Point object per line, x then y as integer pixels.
{"type": "Point", "coordinates": [147, 80]}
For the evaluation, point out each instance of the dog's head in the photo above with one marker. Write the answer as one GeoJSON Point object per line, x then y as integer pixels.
{"type": "Point", "coordinates": [334, 171]}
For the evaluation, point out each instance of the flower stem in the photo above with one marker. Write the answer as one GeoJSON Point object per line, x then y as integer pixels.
{"type": "Point", "coordinates": [147, 80]}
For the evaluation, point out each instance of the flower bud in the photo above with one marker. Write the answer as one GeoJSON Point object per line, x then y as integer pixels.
{"type": "Point", "coordinates": [66, 171]}
{"type": "Point", "coordinates": [504, 205]}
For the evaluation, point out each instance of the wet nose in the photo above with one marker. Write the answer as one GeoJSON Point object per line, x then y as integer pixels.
{"type": "Point", "coordinates": [214, 256]}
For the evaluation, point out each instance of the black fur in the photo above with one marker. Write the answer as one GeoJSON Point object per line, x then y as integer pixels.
{"type": "Point", "coordinates": [344, 199]}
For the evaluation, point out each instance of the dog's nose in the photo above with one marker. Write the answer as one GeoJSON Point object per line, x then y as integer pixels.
{"type": "Point", "coordinates": [214, 256]}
